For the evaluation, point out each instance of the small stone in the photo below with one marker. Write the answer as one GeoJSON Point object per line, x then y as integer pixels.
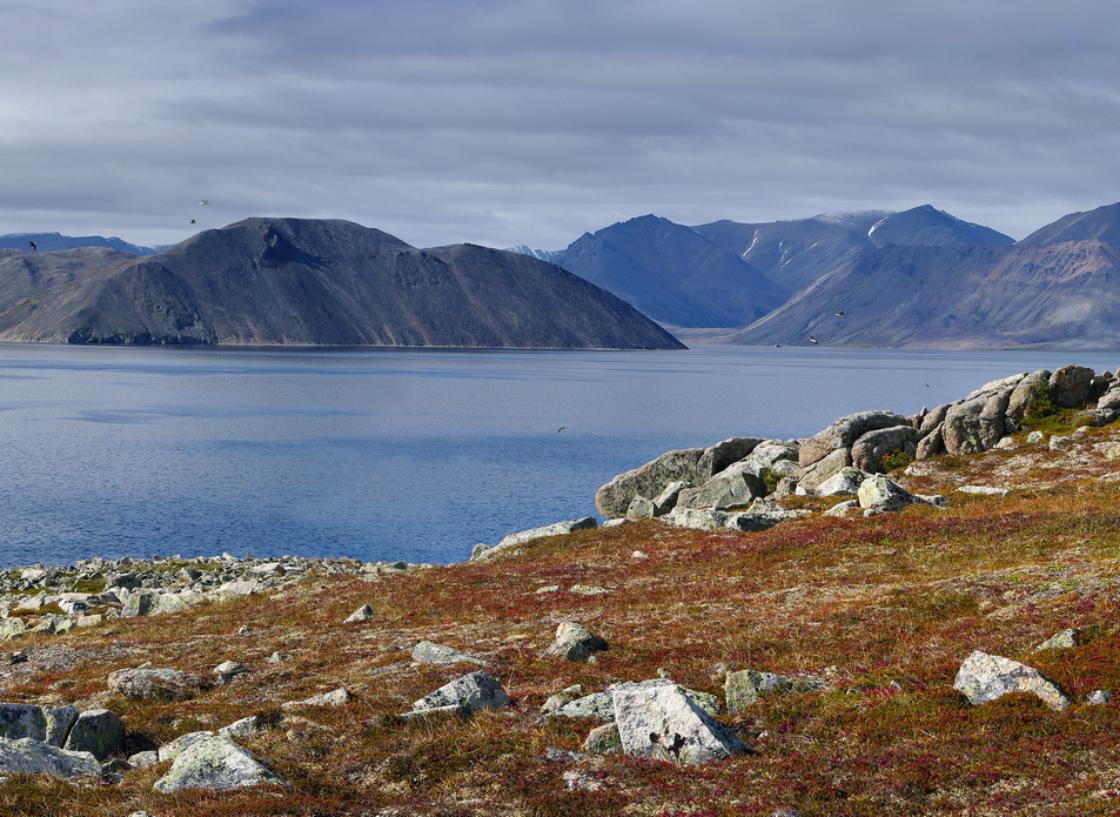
{"type": "Point", "coordinates": [745, 687]}
{"type": "Point", "coordinates": [638, 554]}
{"type": "Point", "coordinates": [1099, 697]}
{"type": "Point", "coordinates": [242, 729]}
{"type": "Point", "coordinates": [587, 590]}
{"type": "Point", "coordinates": [363, 613]}
{"type": "Point", "coordinates": [548, 588]}
{"type": "Point", "coordinates": [228, 670]}
{"type": "Point", "coordinates": [842, 509]}
{"type": "Point", "coordinates": [1035, 437]}
{"type": "Point", "coordinates": [142, 760]}
{"type": "Point", "coordinates": [559, 700]}
{"type": "Point", "coordinates": [277, 657]}
{"type": "Point", "coordinates": [982, 490]}
{"type": "Point", "coordinates": [1062, 640]}
{"type": "Point", "coordinates": [574, 642]}
{"type": "Point", "coordinates": [427, 652]}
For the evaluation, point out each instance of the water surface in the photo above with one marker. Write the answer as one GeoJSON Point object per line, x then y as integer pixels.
{"type": "Point", "coordinates": [392, 454]}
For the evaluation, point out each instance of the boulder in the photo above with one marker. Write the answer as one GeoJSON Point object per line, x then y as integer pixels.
{"type": "Point", "coordinates": [846, 481]}
{"type": "Point", "coordinates": [733, 486]}
{"type": "Point", "coordinates": [173, 748]}
{"type": "Point", "coordinates": [660, 721]}
{"type": "Point", "coordinates": [60, 719]}
{"type": "Point", "coordinates": [470, 693]}
{"type": "Point", "coordinates": [336, 697]}
{"type": "Point", "coordinates": [1071, 386]}
{"type": "Point", "coordinates": [1062, 640]}
{"type": "Point", "coordinates": [809, 478]}
{"type": "Point", "coordinates": [600, 705]}
{"type": "Point", "coordinates": [142, 760]}
{"type": "Point", "coordinates": [983, 678]}
{"type": "Point", "coordinates": [363, 613]}
{"type": "Point", "coordinates": [228, 670]}
{"type": "Point", "coordinates": [520, 538]}
{"type": "Point", "coordinates": [869, 450]}
{"type": "Point", "coordinates": [22, 721]}
{"type": "Point", "coordinates": [932, 419]}
{"type": "Point", "coordinates": [931, 445]}
{"type": "Point", "coordinates": [773, 456]}
{"type": "Point", "coordinates": [844, 432]}
{"type": "Point", "coordinates": [427, 652]}
{"type": "Point", "coordinates": [30, 756]}
{"type": "Point", "coordinates": [574, 642]}
{"type": "Point", "coordinates": [243, 728]}
{"type": "Point", "coordinates": [689, 465]}
{"type": "Point", "coordinates": [745, 687]}
{"type": "Point", "coordinates": [614, 498]}
{"type": "Point", "coordinates": [559, 700]}
{"type": "Point", "coordinates": [139, 604]}
{"type": "Point", "coordinates": [1032, 388]}
{"type": "Point", "coordinates": [975, 425]}
{"type": "Point", "coordinates": [97, 731]}
{"type": "Point", "coordinates": [1003, 384]}
{"type": "Point", "coordinates": [880, 493]}
{"type": "Point", "coordinates": [641, 508]}
{"type": "Point", "coordinates": [841, 509]}
{"type": "Point", "coordinates": [667, 499]}
{"type": "Point", "coordinates": [218, 764]}
{"type": "Point", "coordinates": [158, 683]}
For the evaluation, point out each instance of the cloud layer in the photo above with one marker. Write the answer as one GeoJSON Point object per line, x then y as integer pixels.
{"type": "Point", "coordinates": [531, 121]}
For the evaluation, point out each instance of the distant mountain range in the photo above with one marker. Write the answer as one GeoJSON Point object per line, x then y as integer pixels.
{"type": "Point", "coordinates": [307, 282]}
{"type": "Point", "coordinates": [51, 242]}
{"type": "Point", "coordinates": [921, 277]}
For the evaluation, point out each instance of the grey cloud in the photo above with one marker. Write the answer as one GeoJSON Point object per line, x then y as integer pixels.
{"type": "Point", "coordinates": [508, 122]}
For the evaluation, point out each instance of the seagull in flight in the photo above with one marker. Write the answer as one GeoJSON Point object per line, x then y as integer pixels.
{"type": "Point", "coordinates": [562, 428]}
{"type": "Point", "coordinates": [32, 245]}
{"type": "Point", "coordinates": [813, 340]}
{"type": "Point", "coordinates": [841, 314]}
{"type": "Point", "coordinates": [204, 203]}
{"type": "Point", "coordinates": [194, 221]}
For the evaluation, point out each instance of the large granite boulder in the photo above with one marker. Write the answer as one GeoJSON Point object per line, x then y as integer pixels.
{"type": "Point", "coordinates": [159, 683]}
{"type": "Point", "coordinates": [691, 465]}
{"type": "Point", "coordinates": [30, 756]}
{"type": "Point", "coordinates": [660, 721]}
{"type": "Point", "coordinates": [809, 479]}
{"type": "Point", "coordinates": [1072, 386]}
{"type": "Point", "coordinates": [878, 493]}
{"type": "Point", "coordinates": [847, 481]}
{"type": "Point", "coordinates": [931, 445]}
{"type": "Point", "coordinates": [218, 764]}
{"type": "Point", "coordinates": [869, 450]}
{"type": "Point", "coordinates": [773, 459]}
{"type": "Point", "coordinates": [984, 677]}
{"type": "Point", "coordinates": [844, 432]}
{"type": "Point", "coordinates": [734, 486]}
{"type": "Point", "coordinates": [97, 731]}
{"type": "Point", "coordinates": [975, 425]}
{"type": "Point", "coordinates": [933, 418]}
{"type": "Point", "coordinates": [1032, 388]}
{"type": "Point", "coordinates": [22, 721]}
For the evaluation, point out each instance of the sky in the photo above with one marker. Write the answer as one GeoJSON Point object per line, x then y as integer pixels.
{"type": "Point", "coordinates": [531, 122]}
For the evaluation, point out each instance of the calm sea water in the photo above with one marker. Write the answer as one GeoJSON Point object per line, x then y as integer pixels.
{"type": "Point", "coordinates": [390, 454]}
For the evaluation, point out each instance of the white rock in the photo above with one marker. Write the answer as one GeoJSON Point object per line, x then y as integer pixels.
{"type": "Point", "coordinates": [470, 693]}
{"type": "Point", "coordinates": [983, 678]}
{"type": "Point", "coordinates": [659, 721]}
{"type": "Point", "coordinates": [215, 763]}
{"type": "Point", "coordinates": [29, 756]}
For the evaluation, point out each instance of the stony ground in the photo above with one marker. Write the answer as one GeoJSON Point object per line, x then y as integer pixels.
{"type": "Point", "coordinates": [884, 609]}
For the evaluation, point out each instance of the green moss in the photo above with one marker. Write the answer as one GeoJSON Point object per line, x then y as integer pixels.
{"type": "Point", "coordinates": [771, 479]}
{"type": "Point", "coordinates": [896, 460]}
{"type": "Point", "coordinates": [95, 584]}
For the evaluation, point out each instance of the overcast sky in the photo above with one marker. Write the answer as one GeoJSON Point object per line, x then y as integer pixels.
{"type": "Point", "coordinates": [530, 122]}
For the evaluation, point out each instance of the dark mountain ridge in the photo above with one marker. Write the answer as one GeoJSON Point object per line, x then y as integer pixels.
{"type": "Point", "coordinates": [311, 282]}
{"type": "Point", "coordinates": [51, 242]}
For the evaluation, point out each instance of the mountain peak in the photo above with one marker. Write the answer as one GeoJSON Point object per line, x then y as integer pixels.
{"type": "Point", "coordinates": [926, 226]}
{"type": "Point", "coordinates": [1101, 224]}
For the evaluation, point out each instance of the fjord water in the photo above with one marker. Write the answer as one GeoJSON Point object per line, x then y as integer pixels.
{"type": "Point", "coordinates": [410, 455]}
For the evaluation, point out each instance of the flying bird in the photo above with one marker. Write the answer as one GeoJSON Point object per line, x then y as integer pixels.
{"type": "Point", "coordinates": [32, 245]}
{"type": "Point", "coordinates": [194, 221]}
{"type": "Point", "coordinates": [841, 314]}
{"type": "Point", "coordinates": [204, 203]}
{"type": "Point", "coordinates": [562, 428]}
{"type": "Point", "coordinates": [813, 340]}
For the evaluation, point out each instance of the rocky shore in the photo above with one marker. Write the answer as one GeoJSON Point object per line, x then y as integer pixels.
{"type": "Point", "coordinates": [746, 607]}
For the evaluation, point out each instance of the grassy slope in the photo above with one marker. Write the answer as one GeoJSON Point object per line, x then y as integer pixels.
{"type": "Point", "coordinates": [886, 608]}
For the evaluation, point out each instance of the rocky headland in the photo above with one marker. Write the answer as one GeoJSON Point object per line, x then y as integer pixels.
{"type": "Point", "coordinates": [899, 614]}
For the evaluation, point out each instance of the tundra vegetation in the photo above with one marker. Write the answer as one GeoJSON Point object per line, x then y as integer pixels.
{"type": "Point", "coordinates": [947, 658]}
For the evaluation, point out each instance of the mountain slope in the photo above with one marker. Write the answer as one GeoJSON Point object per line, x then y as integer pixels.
{"type": "Point", "coordinates": [52, 242]}
{"type": "Point", "coordinates": [1102, 224]}
{"type": "Point", "coordinates": [926, 226]}
{"type": "Point", "coordinates": [308, 282]}
{"type": "Point", "coordinates": [983, 296]}
{"type": "Point", "coordinates": [672, 273]}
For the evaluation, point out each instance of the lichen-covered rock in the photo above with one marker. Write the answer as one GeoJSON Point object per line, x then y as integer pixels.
{"type": "Point", "coordinates": [603, 740]}
{"type": "Point", "coordinates": [1071, 386]}
{"type": "Point", "coordinates": [600, 705]}
{"type": "Point", "coordinates": [243, 728]}
{"type": "Point", "coordinates": [1062, 640]}
{"type": "Point", "coordinates": [931, 445]}
{"type": "Point", "coordinates": [660, 721]}
{"type": "Point", "coordinates": [847, 481]}
{"type": "Point", "coordinates": [844, 432]}
{"type": "Point", "coordinates": [522, 537]}
{"type": "Point", "coordinates": [722, 455]}
{"type": "Point", "coordinates": [336, 697]}
{"type": "Point", "coordinates": [841, 509]}
{"type": "Point", "coordinates": [22, 721]}
{"type": "Point", "coordinates": [975, 425]}
{"type": "Point", "coordinates": [984, 677]}
{"type": "Point", "coordinates": [810, 478]}
{"type": "Point", "coordinates": [30, 756]}
{"type": "Point", "coordinates": [880, 493]}
{"type": "Point", "coordinates": [470, 693]}
{"type": "Point", "coordinates": [641, 508]}
{"type": "Point", "coordinates": [574, 642]}
{"type": "Point", "coordinates": [97, 731]}
{"type": "Point", "coordinates": [426, 652]}
{"type": "Point", "coordinates": [745, 687]}
{"type": "Point", "coordinates": [363, 613]}
{"type": "Point", "coordinates": [1032, 388]}
{"type": "Point", "coordinates": [158, 683]}
{"type": "Point", "coordinates": [667, 499]}
{"type": "Point", "coordinates": [932, 419]}
{"type": "Point", "coordinates": [60, 719]}
{"type": "Point", "coordinates": [218, 764]}
{"type": "Point", "coordinates": [870, 449]}
{"type": "Point", "coordinates": [734, 486]}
